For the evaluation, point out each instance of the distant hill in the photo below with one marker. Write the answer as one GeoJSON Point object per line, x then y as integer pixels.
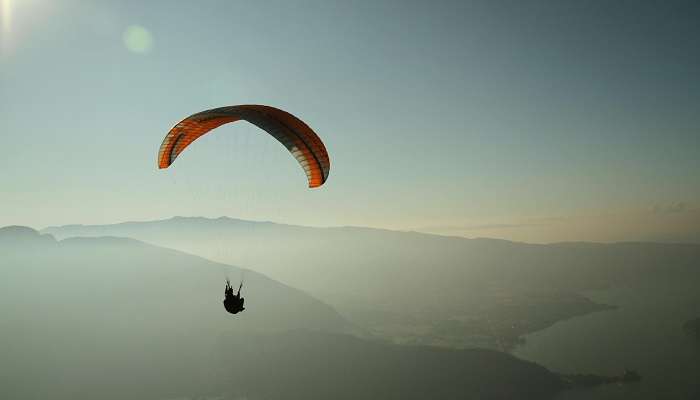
{"type": "Point", "coordinates": [411, 286]}
{"type": "Point", "coordinates": [295, 254]}
{"type": "Point", "coordinates": [116, 318]}
{"type": "Point", "coordinates": [122, 279]}
{"type": "Point", "coordinates": [23, 236]}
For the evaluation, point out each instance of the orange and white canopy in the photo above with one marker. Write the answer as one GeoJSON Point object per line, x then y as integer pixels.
{"type": "Point", "coordinates": [293, 133]}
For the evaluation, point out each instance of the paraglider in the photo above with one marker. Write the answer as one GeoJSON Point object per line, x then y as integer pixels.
{"type": "Point", "coordinates": [233, 303]}
{"type": "Point", "coordinates": [301, 141]}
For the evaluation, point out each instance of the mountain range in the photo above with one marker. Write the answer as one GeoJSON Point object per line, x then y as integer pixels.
{"type": "Point", "coordinates": [118, 318]}
{"type": "Point", "coordinates": [421, 288]}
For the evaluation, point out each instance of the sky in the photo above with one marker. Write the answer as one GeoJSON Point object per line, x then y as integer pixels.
{"type": "Point", "coordinates": [537, 121]}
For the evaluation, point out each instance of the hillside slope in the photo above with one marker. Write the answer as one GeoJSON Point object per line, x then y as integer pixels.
{"type": "Point", "coordinates": [122, 279]}
{"type": "Point", "coordinates": [422, 288]}
{"type": "Point", "coordinates": [115, 318]}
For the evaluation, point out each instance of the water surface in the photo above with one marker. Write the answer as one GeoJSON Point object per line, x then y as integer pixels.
{"type": "Point", "coordinates": [644, 334]}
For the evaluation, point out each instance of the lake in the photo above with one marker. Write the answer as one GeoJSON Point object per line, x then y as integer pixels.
{"type": "Point", "coordinates": [644, 334]}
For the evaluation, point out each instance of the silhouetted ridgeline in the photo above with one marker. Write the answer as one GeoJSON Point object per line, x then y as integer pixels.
{"type": "Point", "coordinates": [23, 236]}
{"type": "Point", "coordinates": [115, 318]}
{"type": "Point", "coordinates": [127, 275]}
{"type": "Point", "coordinates": [411, 260]}
{"type": "Point", "coordinates": [420, 288]}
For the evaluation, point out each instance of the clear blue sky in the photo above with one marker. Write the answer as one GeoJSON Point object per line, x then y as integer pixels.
{"type": "Point", "coordinates": [537, 121]}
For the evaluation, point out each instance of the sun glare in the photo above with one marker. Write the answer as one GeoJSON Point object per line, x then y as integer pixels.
{"type": "Point", "coordinates": [5, 24]}
{"type": "Point", "coordinates": [6, 11]}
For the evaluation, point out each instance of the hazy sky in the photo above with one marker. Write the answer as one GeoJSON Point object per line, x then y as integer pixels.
{"type": "Point", "coordinates": [527, 120]}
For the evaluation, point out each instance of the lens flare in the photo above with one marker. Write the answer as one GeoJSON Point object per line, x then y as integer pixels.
{"type": "Point", "coordinates": [138, 39]}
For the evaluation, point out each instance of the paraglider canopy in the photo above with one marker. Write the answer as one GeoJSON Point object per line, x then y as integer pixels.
{"type": "Point", "coordinates": [301, 141]}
